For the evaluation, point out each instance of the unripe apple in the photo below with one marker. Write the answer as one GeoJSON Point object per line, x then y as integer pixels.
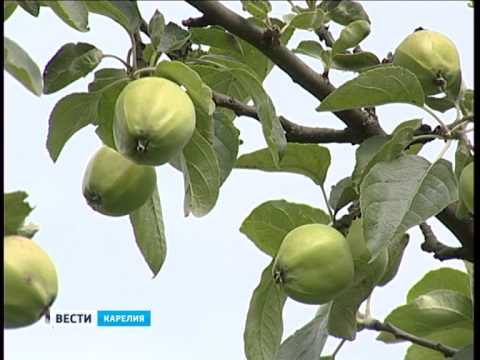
{"type": "Point", "coordinates": [114, 185]}
{"type": "Point", "coordinates": [313, 264]}
{"type": "Point", "coordinates": [429, 54]}
{"type": "Point", "coordinates": [466, 186]}
{"type": "Point", "coordinates": [154, 120]}
{"type": "Point", "coordinates": [30, 282]}
{"type": "Point", "coordinates": [355, 239]}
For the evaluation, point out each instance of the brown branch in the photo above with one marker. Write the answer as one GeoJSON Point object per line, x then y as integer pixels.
{"type": "Point", "coordinates": [373, 324]}
{"type": "Point", "coordinates": [293, 132]}
{"type": "Point", "coordinates": [462, 229]}
{"type": "Point", "coordinates": [325, 35]}
{"type": "Point", "coordinates": [361, 125]}
{"type": "Point", "coordinates": [441, 251]}
{"type": "Point", "coordinates": [197, 21]}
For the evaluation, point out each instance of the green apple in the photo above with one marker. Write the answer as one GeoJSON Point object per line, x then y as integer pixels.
{"type": "Point", "coordinates": [30, 282]}
{"type": "Point", "coordinates": [429, 54]}
{"type": "Point", "coordinates": [114, 185]}
{"type": "Point", "coordinates": [313, 264]}
{"type": "Point", "coordinates": [154, 120]}
{"type": "Point", "coordinates": [466, 186]}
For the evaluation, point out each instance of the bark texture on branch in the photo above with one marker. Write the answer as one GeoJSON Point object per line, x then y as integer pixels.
{"type": "Point", "coordinates": [441, 251]}
{"type": "Point", "coordinates": [293, 132]}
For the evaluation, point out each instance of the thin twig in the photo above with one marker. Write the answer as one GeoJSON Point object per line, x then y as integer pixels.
{"type": "Point", "coordinates": [134, 53]}
{"type": "Point", "coordinates": [325, 35]}
{"type": "Point", "coordinates": [373, 324]}
{"type": "Point", "coordinates": [338, 348]}
{"type": "Point", "coordinates": [119, 59]}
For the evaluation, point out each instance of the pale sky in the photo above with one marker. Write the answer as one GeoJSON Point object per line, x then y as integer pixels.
{"type": "Point", "coordinates": [200, 299]}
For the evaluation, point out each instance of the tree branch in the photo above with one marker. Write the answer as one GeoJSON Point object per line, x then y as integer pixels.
{"type": "Point", "coordinates": [441, 251]}
{"type": "Point", "coordinates": [462, 229]}
{"type": "Point", "coordinates": [325, 35]}
{"type": "Point", "coordinates": [293, 132]}
{"type": "Point", "coordinates": [361, 125]}
{"type": "Point", "coordinates": [374, 324]}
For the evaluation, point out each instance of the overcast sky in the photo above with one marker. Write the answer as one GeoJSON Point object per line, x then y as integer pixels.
{"type": "Point", "coordinates": [200, 299]}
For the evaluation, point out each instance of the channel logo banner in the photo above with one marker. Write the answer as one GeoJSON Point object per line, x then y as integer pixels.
{"type": "Point", "coordinates": [123, 318]}
{"type": "Point", "coordinates": [99, 318]}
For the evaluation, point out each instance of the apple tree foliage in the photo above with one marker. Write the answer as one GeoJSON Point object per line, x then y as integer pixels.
{"type": "Point", "coordinates": [222, 59]}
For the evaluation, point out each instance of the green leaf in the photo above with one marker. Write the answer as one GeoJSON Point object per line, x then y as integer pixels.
{"type": "Point", "coordinates": [308, 20]}
{"type": "Point", "coordinates": [106, 112]}
{"type": "Point", "coordinates": [264, 325]}
{"type": "Point", "coordinates": [21, 66]}
{"type": "Point", "coordinates": [347, 62]}
{"type": "Point", "coordinates": [8, 9]}
{"type": "Point", "coordinates": [413, 124]}
{"type": "Point", "coordinates": [307, 342]}
{"type": "Point", "coordinates": [390, 148]}
{"type": "Point", "coordinates": [269, 223]}
{"type": "Point", "coordinates": [108, 83]}
{"type": "Point", "coordinates": [272, 129]}
{"type": "Point", "coordinates": [15, 211]}
{"type": "Point", "coordinates": [396, 249]}
{"type": "Point", "coordinates": [225, 143]}
{"type": "Point", "coordinates": [399, 194]}
{"type": "Point", "coordinates": [467, 103]}
{"type": "Point", "coordinates": [342, 319]}
{"type": "Point", "coordinates": [465, 353]}
{"type": "Point", "coordinates": [70, 63]}
{"type": "Point", "coordinates": [73, 13]}
{"type": "Point", "coordinates": [439, 104]}
{"type": "Point", "coordinates": [379, 86]}
{"type": "Point", "coordinates": [351, 36]}
{"type": "Point", "coordinates": [443, 278]}
{"type": "Point", "coordinates": [358, 62]}
{"type": "Point", "coordinates": [342, 193]}
{"type": "Point", "coordinates": [198, 91]}
{"type": "Point", "coordinates": [456, 338]}
{"type": "Point", "coordinates": [251, 56]}
{"type": "Point", "coordinates": [257, 8]}
{"type": "Point", "coordinates": [173, 38]}
{"type": "Point", "coordinates": [70, 114]}
{"type": "Point", "coordinates": [216, 36]}
{"type": "Point", "coordinates": [147, 223]}
{"type": "Point", "coordinates": [315, 50]}
{"type": "Point", "coordinates": [345, 11]}
{"type": "Point", "coordinates": [106, 77]}
{"type": "Point", "coordinates": [463, 157]}
{"type": "Point", "coordinates": [156, 28]}
{"type": "Point", "coordinates": [471, 277]}
{"type": "Point", "coordinates": [221, 81]}
{"type": "Point", "coordinates": [311, 160]}
{"type": "Point", "coordinates": [202, 176]}
{"type": "Point", "coordinates": [436, 310]}
{"type": "Point", "coordinates": [366, 152]}
{"type": "Point", "coordinates": [125, 13]}
{"type": "Point", "coordinates": [226, 63]}
{"type": "Point", "coordinates": [30, 6]}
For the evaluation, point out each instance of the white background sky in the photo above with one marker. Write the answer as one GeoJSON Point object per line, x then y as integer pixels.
{"type": "Point", "coordinates": [200, 299]}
